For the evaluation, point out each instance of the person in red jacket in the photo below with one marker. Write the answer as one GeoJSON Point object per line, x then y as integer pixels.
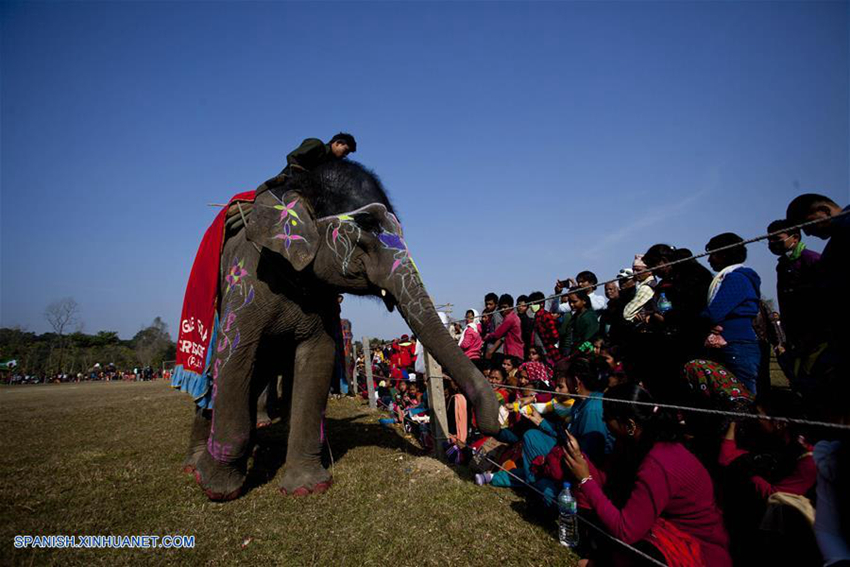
{"type": "Point", "coordinates": [761, 458]}
{"type": "Point", "coordinates": [510, 329]}
{"type": "Point", "coordinates": [470, 339]}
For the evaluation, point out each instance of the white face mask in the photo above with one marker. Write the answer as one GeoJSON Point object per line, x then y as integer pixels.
{"type": "Point", "coordinates": [535, 308]}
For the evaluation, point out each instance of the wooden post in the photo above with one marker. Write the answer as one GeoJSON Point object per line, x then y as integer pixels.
{"type": "Point", "coordinates": [437, 404]}
{"type": "Point", "coordinates": [353, 384]}
{"type": "Point", "coordinates": [370, 384]}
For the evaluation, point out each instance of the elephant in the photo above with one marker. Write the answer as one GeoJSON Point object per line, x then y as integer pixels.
{"type": "Point", "coordinates": [283, 264]}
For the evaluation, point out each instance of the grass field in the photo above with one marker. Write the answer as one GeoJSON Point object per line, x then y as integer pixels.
{"type": "Point", "coordinates": [104, 458]}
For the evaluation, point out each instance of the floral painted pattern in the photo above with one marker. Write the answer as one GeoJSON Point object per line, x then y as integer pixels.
{"type": "Point", "coordinates": [287, 236]}
{"type": "Point", "coordinates": [288, 219]}
{"type": "Point", "coordinates": [238, 295]}
{"type": "Point", "coordinates": [287, 210]}
{"type": "Point", "coordinates": [393, 240]}
{"type": "Point", "coordinates": [237, 272]}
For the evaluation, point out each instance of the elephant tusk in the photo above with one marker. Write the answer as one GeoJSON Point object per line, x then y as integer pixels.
{"type": "Point", "coordinates": [383, 293]}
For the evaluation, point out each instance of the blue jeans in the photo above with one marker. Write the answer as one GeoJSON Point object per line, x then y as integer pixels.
{"type": "Point", "coordinates": [742, 359]}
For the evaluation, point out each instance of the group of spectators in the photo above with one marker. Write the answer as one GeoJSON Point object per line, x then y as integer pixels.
{"type": "Point", "coordinates": [96, 374]}
{"type": "Point", "coordinates": [579, 380]}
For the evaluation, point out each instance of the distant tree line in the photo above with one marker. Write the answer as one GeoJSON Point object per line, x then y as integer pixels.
{"type": "Point", "coordinates": [54, 353]}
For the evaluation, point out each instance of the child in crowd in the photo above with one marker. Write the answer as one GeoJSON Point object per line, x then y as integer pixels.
{"type": "Point", "coordinates": [534, 355]}
{"type": "Point", "coordinates": [510, 366]}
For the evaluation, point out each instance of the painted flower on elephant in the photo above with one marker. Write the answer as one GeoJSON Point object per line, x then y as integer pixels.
{"type": "Point", "coordinates": [397, 243]}
{"type": "Point", "coordinates": [237, 272]}
{"type": "Point", "coordinates": [287, 210]}
{"type": "Point", "coordinates": [341, 218]}
{"type": "Point", "coordinates": [287, 235]}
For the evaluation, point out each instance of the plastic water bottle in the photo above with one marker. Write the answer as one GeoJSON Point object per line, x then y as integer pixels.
{"type": "Point", "coordinates": [663, 303]}
{"type": "Point", "coordinates": [567, 520]}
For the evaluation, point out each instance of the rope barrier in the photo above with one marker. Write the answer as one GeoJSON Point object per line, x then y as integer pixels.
{"type": "Point", "coordinates": [725, 413]}
{"type": "Point", "coordinates": [794, 420]}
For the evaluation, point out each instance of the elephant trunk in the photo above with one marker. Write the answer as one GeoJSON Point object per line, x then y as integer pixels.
{"type": "Point", "coordinates": [418, 310]}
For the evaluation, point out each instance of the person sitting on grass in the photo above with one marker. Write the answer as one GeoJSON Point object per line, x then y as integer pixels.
{"type": "Point", "coordinates": [762, 458]}
{"type": "Point", "coordinates": [540, 438]}
{"type": "Point", "coordinates": [657, 495]}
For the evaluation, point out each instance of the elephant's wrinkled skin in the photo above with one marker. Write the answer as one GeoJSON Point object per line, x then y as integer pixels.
{"type": "Point", "coordinates": [335, 231]}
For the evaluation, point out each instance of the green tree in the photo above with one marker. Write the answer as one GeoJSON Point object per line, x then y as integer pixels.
{"type": "Point", "coordinates": [153, 344]}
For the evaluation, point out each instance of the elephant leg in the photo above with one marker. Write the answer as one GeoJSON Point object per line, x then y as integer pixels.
{"type": "Point", "coordinates": [221, 469]}
{"type": "Point", "coordinates": [304, 473]}
{"type": "Point", "coordinates": [197, 439]}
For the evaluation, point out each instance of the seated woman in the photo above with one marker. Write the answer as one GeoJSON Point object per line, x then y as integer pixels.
{"type": "Point", "coordinates": [588, 379]}
{"type": "Point", "coordinates": [537, 441]}
{"type": "Point", "coordinates": [511, 367]}
{"type": "Point", "coordinates": [710, 385]}
{"type": "Point", "coordinates": [657, 495]}
{"type": "Point", "coordinates": [537, 377]}
{"type": "Point", "coordinates": [761, 458]}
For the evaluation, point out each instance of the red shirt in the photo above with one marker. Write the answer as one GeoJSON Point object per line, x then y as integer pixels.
{"type": "Point", "coordinates": [672, 484]}
{"type": "Point", "coordinates": [800, 481]}
{"type": "Point", "coordinates": [511, 329]}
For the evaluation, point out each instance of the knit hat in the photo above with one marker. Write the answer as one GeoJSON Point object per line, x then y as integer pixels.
{"type": "Point", "coordinates": [625, 273]}
{"type": "Point", "coordinates": [639, 265]}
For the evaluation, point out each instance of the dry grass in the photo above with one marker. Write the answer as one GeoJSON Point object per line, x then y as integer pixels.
{"type": "Point", "coordinates": [103, 458]}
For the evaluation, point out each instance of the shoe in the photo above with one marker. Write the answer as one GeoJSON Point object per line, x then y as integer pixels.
{"type": "Point", "coordinates": [483, 478]}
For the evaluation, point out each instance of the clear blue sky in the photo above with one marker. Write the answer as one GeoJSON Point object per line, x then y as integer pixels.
{"type": "Point", "coordinates": [521, 142]}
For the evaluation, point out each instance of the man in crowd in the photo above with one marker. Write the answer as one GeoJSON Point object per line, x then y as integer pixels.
{"type": "Point", "coordinates": [584, 280]}
{"type": "Point", "coordinates": [796, 286]}
{"type": "Point", "coordinates": [495, 349]}
{"type": "Point", "coordinates": [526, 322]}
{"type": "Point", "coordinates": [644, 292]}
{"type": "Point", "coordinates": [834, 227]}
{"type": "Point", "coordinates": [545, 333]}
{"type": "Point", "coordinates": [510, 330]}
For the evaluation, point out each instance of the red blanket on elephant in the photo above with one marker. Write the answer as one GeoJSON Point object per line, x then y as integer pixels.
{"type": "Point", "coordinates": [198, 320]}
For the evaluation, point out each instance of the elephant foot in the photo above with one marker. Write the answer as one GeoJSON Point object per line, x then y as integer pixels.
{"type": "Point", "coordinates": [301, 481]}
{"type": "Point", "coordinates": [190, 463]}
{"type": "Point", "coordinates": [220, 482]}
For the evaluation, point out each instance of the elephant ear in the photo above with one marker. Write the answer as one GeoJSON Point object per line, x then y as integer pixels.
{"type": "Point", "coordinates": [285, 225]}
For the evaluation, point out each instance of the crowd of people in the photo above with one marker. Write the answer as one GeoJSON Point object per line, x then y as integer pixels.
{"type": "Point", "coordinates": [97, 374]}
{"type": "Point", "coordinates": [585, 380]}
